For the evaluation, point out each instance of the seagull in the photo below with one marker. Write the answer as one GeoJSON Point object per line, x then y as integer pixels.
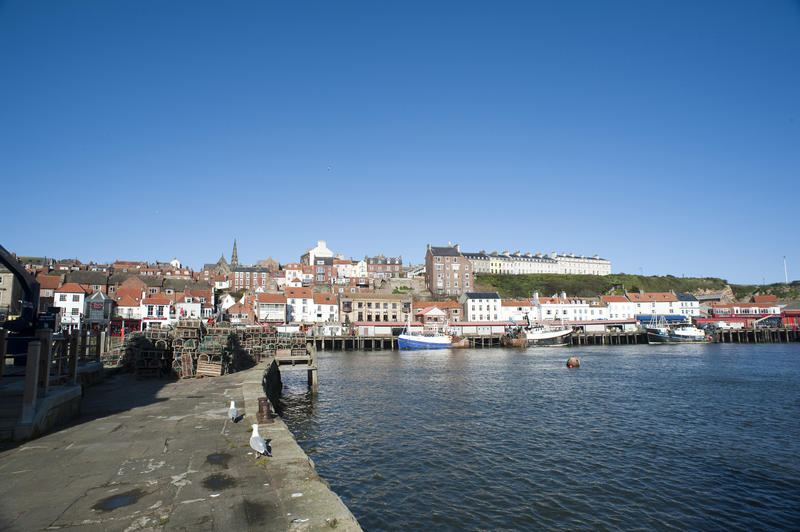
{"type": "Point", "coordinates": [258, 444]}
{"type": "Point", "coordinates": [232, 412]}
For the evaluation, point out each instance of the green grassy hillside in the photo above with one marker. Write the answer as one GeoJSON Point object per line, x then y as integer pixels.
{"type": "Point", "coordinates": [593, 285]}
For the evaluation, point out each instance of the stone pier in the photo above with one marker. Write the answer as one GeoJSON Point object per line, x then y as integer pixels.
{"type": "Point", "coordinates": [162, 455]}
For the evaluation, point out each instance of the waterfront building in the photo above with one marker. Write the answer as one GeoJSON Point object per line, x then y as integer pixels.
{"type": "Point", "coordinates": [326, 308]}
{"type": "Point", "coordinates": [654, 303]}
{"type": "Point", "coordinates": [71, 298]}
{"type": "Point", "coordinates": [481, 306]}
{"type": "Point", "coordinates": [688, 305]}
{"type": "Point", "coordinates": [299, 305]}
{"type": "Point", "coordinates": [619, 307]}
{"type": "Point", "coordinates": [741, 310]}
{"type": "Point", "coordinates": [270, 308]}
{"type": "Point", "coordinates": [433, 319]}
{"type": "Point", "coordinates": [453, 311]}
{"type": "Point", "coordinates": [447, 271]}
{"type": "Point", "coordinates": [561, 307]}
{"type": "Point", "coordinates": [394, 308]}
{"type": "Point", "coordinates": [518, 310]}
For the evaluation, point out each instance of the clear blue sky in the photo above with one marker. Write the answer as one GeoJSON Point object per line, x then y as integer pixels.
{"type": "Point", "coordinates": [662, 135]}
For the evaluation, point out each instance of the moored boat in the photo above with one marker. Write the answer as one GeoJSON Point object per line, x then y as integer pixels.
{"type": "Point", "coordinates": [434, 339]}
{"type": "Point", "coordinates": [420, 341]}
{"type": "Point", "coordinates": [680, 334]}
{"type": "Point", "coordinates": [547, 335]}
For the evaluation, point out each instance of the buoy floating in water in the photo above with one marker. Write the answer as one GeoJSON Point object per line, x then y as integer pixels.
{"type": "Point", "coordinates": [573, 362]}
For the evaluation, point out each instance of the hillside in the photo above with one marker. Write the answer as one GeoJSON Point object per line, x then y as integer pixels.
{"type": "Point", "coordinates": [593, 285]}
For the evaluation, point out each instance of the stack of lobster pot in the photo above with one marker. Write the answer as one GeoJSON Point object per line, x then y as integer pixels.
{"type": "Point", "coordinates": [186, 338]}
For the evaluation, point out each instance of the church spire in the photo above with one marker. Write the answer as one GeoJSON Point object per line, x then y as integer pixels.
{"type": "Point", "coordinates": [234, 255]}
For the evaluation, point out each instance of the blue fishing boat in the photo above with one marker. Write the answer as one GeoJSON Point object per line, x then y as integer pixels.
{"type": "Point", "coordinates": [433, 340]}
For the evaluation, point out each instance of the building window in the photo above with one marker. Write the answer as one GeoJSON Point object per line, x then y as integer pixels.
{"type": "Point", "coordinates": [62, 297]}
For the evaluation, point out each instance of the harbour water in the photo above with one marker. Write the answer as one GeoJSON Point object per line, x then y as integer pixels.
{"type": "Point", "coordinates": [689, 437]}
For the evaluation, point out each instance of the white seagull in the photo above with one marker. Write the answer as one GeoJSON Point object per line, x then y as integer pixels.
{"type": "Point", "coordinates": [232, 412]}
{"type": "Point", "coordinates": [258, 444]}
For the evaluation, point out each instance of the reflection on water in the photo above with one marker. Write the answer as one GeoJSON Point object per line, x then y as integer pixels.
{"type": "Point", "coordinates": [690, 437]}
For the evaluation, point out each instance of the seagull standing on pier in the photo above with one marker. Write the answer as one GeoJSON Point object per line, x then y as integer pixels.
{"type": "Point", "coordinates": [258, 444]}
{"type": "Point", "coordinates": [233, 413]}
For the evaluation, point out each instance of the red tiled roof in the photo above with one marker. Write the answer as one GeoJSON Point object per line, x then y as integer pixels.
{"type": "Point", "coordinates": [127, 301]}
{"type": "Point", "coordinates": [325, 299]}
{"type": "Point", "coordinates": [271, 298]}
{"type": "Point", "coordinates": [48, 282]}
{"type": "Point", "coordinates": [157, 299]}
{"type": "Point", "coordinates": [765, 299]}
{"type": "Point", "coordinates": [298, 292]}
{"type": "Point", "coordinates": [615, 299]}
{"type": "Point", "coordinates": [73, 288]}
{"type": "Point", "coordinates": [516, 303]}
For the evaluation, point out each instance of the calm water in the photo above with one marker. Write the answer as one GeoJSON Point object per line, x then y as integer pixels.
{"type": "Point", "coordinates": [701, 437]}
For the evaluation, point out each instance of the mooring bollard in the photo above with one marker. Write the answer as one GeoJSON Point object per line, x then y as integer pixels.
{"type": "Point", "coordinates": [264, 415]}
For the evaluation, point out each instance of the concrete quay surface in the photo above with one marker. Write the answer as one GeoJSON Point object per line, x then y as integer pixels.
{"type": "Point", "coordinates": [162, 455]}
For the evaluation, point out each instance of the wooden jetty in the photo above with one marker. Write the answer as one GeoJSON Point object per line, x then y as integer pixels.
{"type": "Point", "coordinates": [758, 335]}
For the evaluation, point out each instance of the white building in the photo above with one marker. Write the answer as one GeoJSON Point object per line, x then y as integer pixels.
{"type": "Point", "coordinates": [518, 263]}
{"type": "Point", "coordinates": [155, 310]}
{"type": "Point", "coordinates": [619, 307]}
{"type": "Point", "coordinates": [271, 308]}
{"type": "Point", "coordinates": [688, 305]}
{"type": "Point", "coordinates": [321, 250]}
{"type": "Point", "coordinates": [649, 303]}
{"type": "Point", "coordinates": [299, 305]}
{"type": "Point", "coordinates": [560, 307]}
{"type": "Point", "coordinates": [226, 302]}
{"type": "Point", "coordinates": [348, 269]}
{"type": "Point", "coordinates": [326, 308]}
{"type": "Point", "coordinates": [128, 308]}
{"type": "Point", "coordinates": [187, 307]}
{"type": "Point", "coordinates": [517, 310]}
{"type": "Point", "coordinates": [71, 298]}
{"type": "Point", "coordinates": [481, 306]}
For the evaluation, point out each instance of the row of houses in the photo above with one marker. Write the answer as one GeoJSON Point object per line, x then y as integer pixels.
{"type": "Point", "coordinates": [449, 271]}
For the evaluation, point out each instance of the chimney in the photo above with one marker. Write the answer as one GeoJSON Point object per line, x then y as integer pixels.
{"type": "Point", "coordinates": [563, 295]}
{"type": "Point", "coordinates": [429, 247]}
{"type": "Point", "coordinates": [536, 297]}
{"type": "Point", "coordinates": [458, 247]}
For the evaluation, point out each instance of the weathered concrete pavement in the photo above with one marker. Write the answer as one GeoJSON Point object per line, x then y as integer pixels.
{"type": "Point", "coordinates": [156, 455]}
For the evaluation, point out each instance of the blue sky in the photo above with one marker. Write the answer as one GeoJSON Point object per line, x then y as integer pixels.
{"type": "Point", "coordinates": [664, 136]}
